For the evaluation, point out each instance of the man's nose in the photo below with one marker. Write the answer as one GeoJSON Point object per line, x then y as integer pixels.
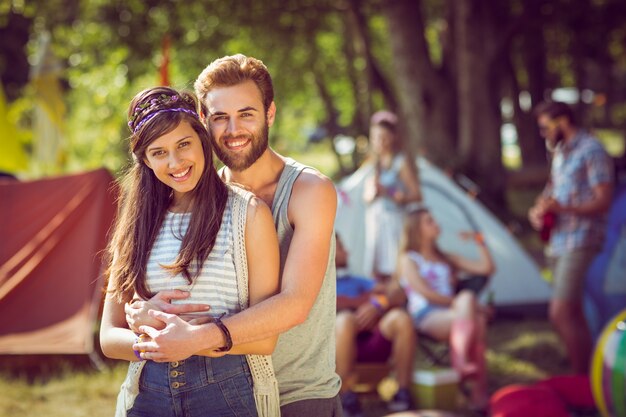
{"type": "Point", "coordinates": [233, 125]}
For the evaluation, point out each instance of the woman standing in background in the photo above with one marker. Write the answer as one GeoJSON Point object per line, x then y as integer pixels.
{"type": "Point", "coordinates": [393, 185]}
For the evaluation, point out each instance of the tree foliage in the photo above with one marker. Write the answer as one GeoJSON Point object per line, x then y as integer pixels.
{"type": "Point", "coordinates": [445, 65]}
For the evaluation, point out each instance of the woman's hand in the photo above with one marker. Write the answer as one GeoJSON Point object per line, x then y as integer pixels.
{"type": "Point", "coordinates": [371, 189]}
{"type": "Point", "coordinates": [467, 235]}
{"type": "Point", "coordinates": [176, 341]}
{"type": "Point", "coordinates": [137, 310]}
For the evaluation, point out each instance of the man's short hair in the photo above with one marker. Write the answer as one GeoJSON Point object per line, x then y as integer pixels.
{"type": "Point", "coordinates": [555, 109]}
{"type": "Point", "coordinates": [232, 70]}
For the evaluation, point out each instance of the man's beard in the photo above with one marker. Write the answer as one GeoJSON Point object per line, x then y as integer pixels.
{"type": "Point", "coordinates": [558, 138]}
{"type": "Point", "coordinates": [239, 162]}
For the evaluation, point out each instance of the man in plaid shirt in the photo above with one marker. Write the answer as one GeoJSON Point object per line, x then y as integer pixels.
{"type": "Point", "coordinates": [578, 196]}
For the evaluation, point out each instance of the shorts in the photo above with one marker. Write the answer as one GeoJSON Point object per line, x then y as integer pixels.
{"type": "Point", "coordinates": [569, 272]}
{"type": "Point", "coordinates": [423, 312]}
{"type": "Point", "coordinates": [372, 346]}
{"type": "Point", "coordinates": [196, 387]}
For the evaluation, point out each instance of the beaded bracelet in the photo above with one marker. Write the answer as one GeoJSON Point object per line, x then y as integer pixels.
{"type": "Point", "coordinates": [139, 352]}
{"type": "Point", "coordinates": [229, 341]}
{"type": "Point", "coordinates": [380, 301]}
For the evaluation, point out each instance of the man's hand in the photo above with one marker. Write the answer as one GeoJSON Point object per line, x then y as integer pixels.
{"type": "Point", "coordinates": [367, 316]}
{"type": "Point", "coordinates": [536, 213]}
{"type": "Point", "coordinates": [551, 205]}
{"type": "Point", "coordinates": [175, 342]}
{"type": "Point", "coordinates": [137, 311]}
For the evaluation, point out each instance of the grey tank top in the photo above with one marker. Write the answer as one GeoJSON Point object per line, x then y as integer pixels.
{"type": "Point", "coordinates": [304, 358]}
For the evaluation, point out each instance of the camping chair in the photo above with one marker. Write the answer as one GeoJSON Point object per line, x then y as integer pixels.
{"type": "Point", "coordinates": [437, 353]}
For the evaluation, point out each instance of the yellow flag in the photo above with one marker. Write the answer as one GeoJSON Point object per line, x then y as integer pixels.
{"type": "Point", "coordinates": [13, 157]}
{"type": "Point", "coordinates": [49, 111]}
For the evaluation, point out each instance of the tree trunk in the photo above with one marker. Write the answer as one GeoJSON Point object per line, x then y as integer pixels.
{"type": "Point", "coordinates": [479, 117]}
{"type": "Point", "coordinates": [374, 80]}
{"type": "Point", "coordinates": [426, 98]}
{"type": "Point", "coordinates": [533, 60]}
{"type": "Point", "coordinates": [532, 146]}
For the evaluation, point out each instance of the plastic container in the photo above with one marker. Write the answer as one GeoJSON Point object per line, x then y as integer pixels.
{"type": "Point", "coordinates": [436, 388]}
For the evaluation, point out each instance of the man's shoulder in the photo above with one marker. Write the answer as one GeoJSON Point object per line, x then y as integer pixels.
{"type": "Point", "coordinates": [590, 142]}
{"type": "Point", "coordinates": [313, 194]}
{"type": "Point", "coordinates": [311, 180]}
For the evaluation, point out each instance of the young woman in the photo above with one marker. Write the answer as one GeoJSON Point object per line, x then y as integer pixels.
{"type": "Point", "coordinates": [180, 227]}
{"type": "Point", "coordinates": [393, 185]}
{"type": "Point", "coordinates": [428, 277]}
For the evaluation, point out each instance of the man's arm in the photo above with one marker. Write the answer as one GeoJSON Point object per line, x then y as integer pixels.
{"type": "Point", "coordinates": [312, 209]}
{"type": "Point", "coordinates": [263, 266]}
{"type": "Point", "coordinates": [600, 203]}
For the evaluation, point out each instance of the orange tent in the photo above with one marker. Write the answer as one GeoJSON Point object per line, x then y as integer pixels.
{"type": "Point", "coordinates": [52, 233]}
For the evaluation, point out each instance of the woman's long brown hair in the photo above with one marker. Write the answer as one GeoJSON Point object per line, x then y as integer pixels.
{"type": "Point", "coordinates": [144, 199]}
{"type": "Point", "coordinates": [411, 237]}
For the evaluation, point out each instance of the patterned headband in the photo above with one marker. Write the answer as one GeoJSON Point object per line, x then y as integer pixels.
{"type": "Point", "coordinates": [154, 105]}
{"type": "Point", "coordinates": [151, 115]}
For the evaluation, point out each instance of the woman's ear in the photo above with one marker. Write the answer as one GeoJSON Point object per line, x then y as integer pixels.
{"type": "Point", "coordinates": [145, 161]}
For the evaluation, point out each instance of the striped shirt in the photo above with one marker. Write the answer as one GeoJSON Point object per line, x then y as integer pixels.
{"type": "Point", "coordinates": [217, 283]}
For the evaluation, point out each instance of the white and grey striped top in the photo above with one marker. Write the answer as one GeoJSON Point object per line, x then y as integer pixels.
{"type": "Point", "coordinates": [217, 283]}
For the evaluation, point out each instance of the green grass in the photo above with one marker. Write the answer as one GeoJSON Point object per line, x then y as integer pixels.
{"type": "Point", "coordinates": [67, 392]}
{"type": "Point", "coordinates": [520, 351]}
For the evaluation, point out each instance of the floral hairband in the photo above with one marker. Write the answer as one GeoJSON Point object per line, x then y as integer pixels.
{"type": "Point", "coordinates": [154, 103]}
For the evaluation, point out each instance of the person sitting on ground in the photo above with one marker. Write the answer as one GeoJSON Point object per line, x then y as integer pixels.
{"type": "Point", "coordinates": [370, 328]}
{"type": "Point", "coordinates": [428, 277]}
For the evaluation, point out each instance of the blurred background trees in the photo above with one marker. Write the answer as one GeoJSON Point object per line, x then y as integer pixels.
{"type": "Point", "coordinates": [464, 74]}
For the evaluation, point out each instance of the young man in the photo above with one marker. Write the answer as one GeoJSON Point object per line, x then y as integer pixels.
{"type": "Point", "coordinates": [578, 196]}
{"type": "Point", "coordinates": [238, 94]}
{"type": "Point", "coordinates": [371, 328]}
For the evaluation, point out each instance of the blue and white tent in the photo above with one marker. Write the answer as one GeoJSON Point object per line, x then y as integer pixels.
{"type": "Point", "coordinates": [605, 291]}
{"type": "Point", "coordinates": [517, 281]}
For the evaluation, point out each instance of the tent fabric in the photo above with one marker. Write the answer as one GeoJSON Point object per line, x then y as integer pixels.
{"type": "Point", "coordinates": [517, 281]}
{"type": "Point", "coordinates": [52, 233]}
{"type": "Point", "coordinates": [605, 295]}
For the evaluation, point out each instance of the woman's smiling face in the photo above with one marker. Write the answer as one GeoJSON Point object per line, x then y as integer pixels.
{"type": "Point", "coordinates": [177, 159]}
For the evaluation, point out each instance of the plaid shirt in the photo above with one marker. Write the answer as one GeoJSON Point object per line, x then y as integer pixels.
{"type": "Point", "coordinates": [577, 167]}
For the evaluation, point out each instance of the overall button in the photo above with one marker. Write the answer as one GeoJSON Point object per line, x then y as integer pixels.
{"type": "Point", "coordinates": [175, 385]}
{"type": "Point", "coordinates": [174, 374]}
{"type": "Point", "coordinates": [174, 364]}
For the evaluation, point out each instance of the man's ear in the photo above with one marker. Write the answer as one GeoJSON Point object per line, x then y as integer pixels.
{"type": "Point", "coordinates": [271, 114]}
